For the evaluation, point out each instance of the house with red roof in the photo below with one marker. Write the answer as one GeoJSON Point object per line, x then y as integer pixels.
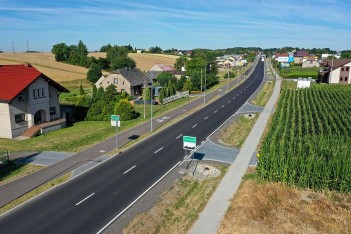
{"type": "Point", "coordinates": [27, 97]}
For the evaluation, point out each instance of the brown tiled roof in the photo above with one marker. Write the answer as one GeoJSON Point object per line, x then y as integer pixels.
{"type": "Point", "coordinates": [336, 63]}
{"type": "Point", "coordinates": [277, 55]}
{"type": "Point", "coordinates": [301, 53]}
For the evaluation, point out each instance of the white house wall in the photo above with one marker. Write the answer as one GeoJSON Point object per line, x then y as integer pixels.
{"type": "Point", "coordinates": [19, 106]}
{"type": "Point", "coordinates": [5, 123]}
{"type": "Point", "coordinates": [335, 76]}
{"type": "Point", "coordinates": [39, 102]}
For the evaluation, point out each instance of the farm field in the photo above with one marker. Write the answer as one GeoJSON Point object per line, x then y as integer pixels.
{"type": "Point", "coordinates": [295, 72]}
{"type": "Point", "coordinates": [45, 63]}
{"type": "Point", "coordinates": [62, 72]}
{"type": "Point", "coordinates": [308, 144]}
{"type": "Point", "coordinates": [145, 61]}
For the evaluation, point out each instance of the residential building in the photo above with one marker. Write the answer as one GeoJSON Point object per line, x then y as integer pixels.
{"type": "Point", "coordinates": [130, 80]}
{"type": "Point", "coordinates": [301, 56]}
{"type": "Point", "coordinates": [27, 97]}
{"type": "Point", "coordinates": [336, 71]}
{"type": "Point", "coordinates": [310, 62]}
{"type": "Point", "coordinates": [159, 68]}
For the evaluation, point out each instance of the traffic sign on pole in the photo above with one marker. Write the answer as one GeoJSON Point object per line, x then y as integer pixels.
{"type": "Point", "coordinates": [189, 142]}
{"type": "Point", "coordinates": [115, 122]}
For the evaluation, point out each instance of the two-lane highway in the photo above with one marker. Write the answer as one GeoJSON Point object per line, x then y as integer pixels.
{"type": "Point", "coordinates": [87, 203]}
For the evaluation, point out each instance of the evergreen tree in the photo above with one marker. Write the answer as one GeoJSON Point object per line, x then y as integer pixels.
{"type": "Point", "coordinates": [187, 85]}
{"type": "Point", "coordinates": [147, 94]}
{"type": "Point", "coordinates": [94, 93]}
{"type": "Point", "coordinates": [81, 90]}
{"type": "Point", "coordinates": [100, 93]}
{"type": "Point", "coordinates": [161, 97]}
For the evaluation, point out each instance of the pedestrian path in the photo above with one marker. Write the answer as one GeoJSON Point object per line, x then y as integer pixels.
{"type": "Point", "coordinates": [210, 218]}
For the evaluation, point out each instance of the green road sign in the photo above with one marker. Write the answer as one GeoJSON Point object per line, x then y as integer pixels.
{"type": "Point", "coordinates": [189, 142]}
{"type": "Point", "coordinates": [115, 117]}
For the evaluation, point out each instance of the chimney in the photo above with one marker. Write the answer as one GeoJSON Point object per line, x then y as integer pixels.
{"type": "Point", "coordinates": [28, 65]}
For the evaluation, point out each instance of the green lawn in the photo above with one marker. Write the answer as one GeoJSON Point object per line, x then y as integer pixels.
{"type": "Point", "coordinates": [83, 134]}
{"type": "Point", "coordinates": [297, 71]}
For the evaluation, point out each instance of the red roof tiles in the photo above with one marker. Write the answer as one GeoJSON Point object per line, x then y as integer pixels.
{"type": "Point", "coordinates": [15, 78]}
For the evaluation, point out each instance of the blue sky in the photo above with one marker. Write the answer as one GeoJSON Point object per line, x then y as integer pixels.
{"type": "Point", "coordinates": [181, 24]}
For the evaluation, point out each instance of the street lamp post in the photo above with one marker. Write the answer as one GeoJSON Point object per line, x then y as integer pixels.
{"type": "Point", "coordinates": [152, 77]}
{"type": "Point", "coordinates": [228, 79]}
{"type": "Point", "coordinates": [205, 85]}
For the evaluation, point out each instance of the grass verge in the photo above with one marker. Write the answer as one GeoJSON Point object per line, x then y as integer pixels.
{"type": "Point", "coordinates": [264, 94]}
{"type": "Point", "coordinates": [177, 208]}
{"type": "Point", "coordinates": [236, 134]}
{"type": "Point", "coordinates": [34, 193]}
{"type": "Point", "coordinates": [262, 207]}
{"type": "Point", "coordinates": [13, 171]}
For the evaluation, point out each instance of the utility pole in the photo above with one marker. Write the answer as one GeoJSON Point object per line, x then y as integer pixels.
{"type": "Point", "coordinates": [205, 84]}
{"type": "Point", "coordinates": [27, 46]}
{"type": "Point", "coordinates": [201, 81]}
{"type": "Point", "coordinates": [152, 77]}
{"type": "Point", "coordinates": [144, 97]}
{"type": "Point", "coordinates": [13, 48]}
{"type": "Point", "coordinates": [228, 79]}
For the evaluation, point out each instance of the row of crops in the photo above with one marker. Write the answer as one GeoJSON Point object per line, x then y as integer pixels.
{"type": "Point", "coordinates": [309, 142]}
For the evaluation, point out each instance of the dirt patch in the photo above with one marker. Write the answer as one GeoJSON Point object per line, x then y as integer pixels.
{"type": "Point", "coordinates": [260, 207]}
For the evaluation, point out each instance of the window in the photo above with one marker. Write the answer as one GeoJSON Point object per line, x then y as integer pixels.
{"type": "Point", "coordinates": [34, 94]}
{"type": "Point", "coordinates": [346, 78]}
{"type": "Point", "coordinates": [42, 92]}
{"type": "Point", "coordinates": [347, 68]}
{"type": "Point", "coordinates": [20, 97]}
{"type": "Point", "coordinates": [38, 91]}
{"type": "Point", "coordinates": [52, 110]}
{"type": "Point", "coordinates": [341, 79]}
{"type": "Point", "coordinates": [342, 69]}
{"type": "Point", "coordinates": [19, 118]}
{"type": "Point", "coordinates": [115, 80]}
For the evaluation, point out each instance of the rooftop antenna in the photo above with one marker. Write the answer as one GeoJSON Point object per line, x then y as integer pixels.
{"type": "Point", "coordinates": [13, 48]}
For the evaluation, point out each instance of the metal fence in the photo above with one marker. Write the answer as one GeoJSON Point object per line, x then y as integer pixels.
{"type": "Point", "coordinates": [175, 97]}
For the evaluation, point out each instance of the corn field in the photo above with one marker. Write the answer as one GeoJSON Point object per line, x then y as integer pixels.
{"type": "Point", "coordinates": [309, 142]}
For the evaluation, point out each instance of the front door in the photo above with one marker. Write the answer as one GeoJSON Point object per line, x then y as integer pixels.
{"type": "Point", "coordinates": [37, 117]}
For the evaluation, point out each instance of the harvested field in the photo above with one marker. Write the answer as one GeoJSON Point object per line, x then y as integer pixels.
{"type": "Point", "coordinates": [145, 61]}
{"type": "Point", "coordinates": [45, 63]}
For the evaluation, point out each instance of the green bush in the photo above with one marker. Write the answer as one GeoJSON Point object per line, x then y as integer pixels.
{"type": "Point", "coordinates": [125, 110]}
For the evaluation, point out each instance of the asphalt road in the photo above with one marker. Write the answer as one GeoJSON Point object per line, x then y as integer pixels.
{"type": "Point", "coordinates": [87, 203]}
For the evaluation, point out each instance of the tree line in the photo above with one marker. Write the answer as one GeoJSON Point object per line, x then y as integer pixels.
{"type": "Point", "coordinates": [116, 57]}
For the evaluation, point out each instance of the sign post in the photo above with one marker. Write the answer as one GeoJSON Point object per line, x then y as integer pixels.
{"type": "Point", "coordinates": [189, 143]}
{"type": "Point", "coordinates": [115, 122]}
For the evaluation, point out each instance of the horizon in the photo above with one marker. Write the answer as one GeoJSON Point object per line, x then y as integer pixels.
{"type": "Point", "coordinates": [181, 25]}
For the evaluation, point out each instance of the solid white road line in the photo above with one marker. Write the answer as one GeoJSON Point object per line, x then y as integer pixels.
{"type": "Point", "coordinates": [85, 199]}
{"type": "Point", "coordinates": [117, 216]}
{"type": "Point", "coordinates": [179, 136]}
{"type": "Point", "coordinates": [194, 126]}
{"type": "Point", "coordinates": [158, 150]}
{"type": "Point", "coordinates": [129, 170]}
